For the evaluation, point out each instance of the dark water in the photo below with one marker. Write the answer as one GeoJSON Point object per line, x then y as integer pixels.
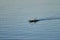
{"type": "Point", "coordinates": [14, 16]}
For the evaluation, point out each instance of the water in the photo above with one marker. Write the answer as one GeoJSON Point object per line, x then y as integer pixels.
{"type": "Point", "coordinates": [14, 16]}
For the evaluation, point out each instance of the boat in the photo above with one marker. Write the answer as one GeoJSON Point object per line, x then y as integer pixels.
{"type": "Point", "coordinates": [33, 20]}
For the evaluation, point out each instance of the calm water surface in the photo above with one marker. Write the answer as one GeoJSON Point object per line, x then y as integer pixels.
{"type": "Point", "coordinates": [14, 16]}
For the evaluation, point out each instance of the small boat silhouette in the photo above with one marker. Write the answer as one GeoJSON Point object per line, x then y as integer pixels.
{"type": "Point", "coordinates": [33, 21]}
